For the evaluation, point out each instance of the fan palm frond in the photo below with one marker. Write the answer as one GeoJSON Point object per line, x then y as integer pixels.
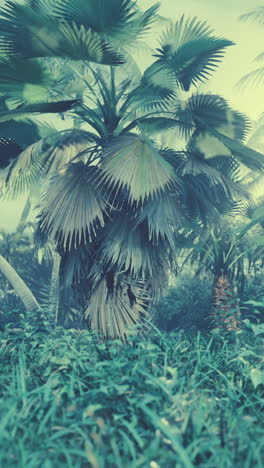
{"type": "Point", "coordinates": [256, 15]}
{"type": "Point", "coordinates": [118, 20]}
{"type": "Point", "coordinates": [190, 51]}
{"type": "Point", "coordinates": [26, 82]}
{"type": "Point", "coordinates": [127, 247]}
{"type": "Point", "coordinates": [255, 78]}
{"type": "Point", "coordinates": [251, 158]}
{"type": "Point", "coordinates": [29, 32]}
{"type": "Point", "coordinates": [134, 164]}
{"type": "Point", "coordinates": [155, 91]}
{"type": "Point", "coordinates": [72, 207]}
{"type": "Point", "coordinates": [164, 215]}
{"type": "Point", "coordinates": [46, 157]}
{"type": "Point", "coordinates": [116, 306]}
{"type": "Point", "coordinates": [207, 110]}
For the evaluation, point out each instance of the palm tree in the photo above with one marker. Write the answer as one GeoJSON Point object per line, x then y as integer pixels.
{"type": "Point", "coordinates": [114, 197]}
{"type": "Point", "coordinates": [226, 251]}
{"type": "Point", "coordinates": [256, 76]}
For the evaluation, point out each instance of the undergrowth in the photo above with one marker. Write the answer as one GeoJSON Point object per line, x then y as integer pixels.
{"type": "Point", "coordinates": [69, 399]}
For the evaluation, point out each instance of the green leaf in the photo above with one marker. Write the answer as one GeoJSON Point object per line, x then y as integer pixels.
{"type": "Point", "coordinates": [115, 20]}
{"type": "Point", "coordinates": [28, 33]}
{"type": "Point", "coordinates": [111, 309]}
{"type": "Point", "coordinates": [72, 206]}
{"type": "Point", "coordinates": [203, 111]}
{"type": "Point", "coordinates": [190, 51]}
{"type": "Point", "coordinates": [28, 80]}
{"type": "Point", "coordinates": [41, 108]}
{"type": "Point", "coordinates": [257, 377]}
{"type": "Point", "coordinates": [132, 163]}
{"type": "Point", "coordinates": [246, 155]}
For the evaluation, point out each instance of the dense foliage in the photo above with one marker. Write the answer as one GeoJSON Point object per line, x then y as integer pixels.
{"type": "Point", "coordinates": [148, 155]}
{"type": "Point", "coordinates": [70, 399]}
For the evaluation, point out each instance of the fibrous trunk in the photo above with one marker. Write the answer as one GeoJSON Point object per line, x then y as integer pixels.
{"type": "Point", "coordinates": [226, 314]}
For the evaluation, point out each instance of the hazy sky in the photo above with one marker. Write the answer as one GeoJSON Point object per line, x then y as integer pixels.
{"type": "Point", "coordinates": [223, 16]}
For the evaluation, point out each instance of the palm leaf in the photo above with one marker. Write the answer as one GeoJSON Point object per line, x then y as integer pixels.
{"type": "Point", "coordinates": [118, 20]}
{"type": "Point", "coordinates": [251, 158]}
{"type": "Point", "coordinates": [190, 51]}
{"type": "Point", "coordinates": [254, 78]}
{"type": "Point", "coordinates": [40, 108]}
{"type": "Point", "coordinates": [30, 81]}
{"type": "Point", "coordinates": [29, 33]}
{"type": "Point", "coordinates": [256, 15]}
{"type": "Point", "coordinates": [46, 157]}
{"type": "Point", "coordinates": [155, 91]}
{"type": "Point", "coordinates": [207, 110]}
{"type": "Point", "coordinates": [128, 248]}
{"type": "Point", "coordinates": [164, 215]}
{"type": "Point", "coordinates": [72, 208]}
{"type": "Point", "coordinates": [134, 164]}
{"type": "Point", "coordinates": [113, 312]}
{"type": "Point", "coordinates": [24, 172]}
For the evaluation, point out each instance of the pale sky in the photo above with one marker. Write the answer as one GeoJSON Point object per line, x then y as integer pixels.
{"type": "Point", "coordinates": [223, 16]}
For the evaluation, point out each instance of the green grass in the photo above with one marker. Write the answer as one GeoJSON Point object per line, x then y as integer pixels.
{"type": "Point", "coordinates": [69, 400]}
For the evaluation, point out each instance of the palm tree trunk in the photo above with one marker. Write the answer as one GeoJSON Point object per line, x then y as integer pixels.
{"type": "Point", "coordinates": [19, 286]}
{"type": "Point", "coordinates": [226, 314]}
{"type": "Point", "coordinates": [54, 286]}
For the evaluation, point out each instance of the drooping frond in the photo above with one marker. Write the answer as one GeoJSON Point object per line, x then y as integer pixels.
{"type": "Point", "coordinates": [203, 111]}
{"type": "Point", "coordinates": [216, 175]}
{"type": "Point", "coordinates": [45, 157]}
{"type": "Point", "coordinates": [164, 215]}
{"type": "Point", "coordinates": [22, 173]}
{"type": "Point", "coordinates": [134, 164]}
{"type": "Point", "coordinates": [116, 306]}
{"type": "Point", "coordinates": [24, 111]}
{"type": "Point", "coordinates": [72, 207]}
{"type": "Point", "coordinates": [29, 33]}
{"type": "Point", "coordinates": [128, 248]}
{"type": "Point", "coordinates": [251, 158]}
{"type": "Point", "coordinates": [190, 51]}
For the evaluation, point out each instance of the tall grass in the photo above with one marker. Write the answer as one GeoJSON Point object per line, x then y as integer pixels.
{"type": "Point", "coordinates": [71, 400]}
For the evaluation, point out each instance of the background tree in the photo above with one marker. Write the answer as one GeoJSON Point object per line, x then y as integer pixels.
{"type": "Point", "coordinates": [114, 197]}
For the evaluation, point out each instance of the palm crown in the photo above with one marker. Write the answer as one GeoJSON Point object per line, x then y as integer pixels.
{"type": "Point", "coordinates": [115, 197]}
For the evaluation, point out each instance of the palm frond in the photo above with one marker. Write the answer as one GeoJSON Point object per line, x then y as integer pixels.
{"type": "Point", "coordinates": [254, 78]}
{"type": "Point", "coordinates": [26, 81]}
{"type": "Point", "coordinates": [190, 51]}
{"type": "Point", "coordinates": [134, 164]}
{"type": "Point", "coordinates": [164, 215]}
{"type": "Point", "coordinates": [207, 110]}
{"type": "Point", "coordinates": [155, 91]}
{"type": "Point", "coordinates": [128, 248]}
{"type": "Point", "coordinates": [46, 157]}
{"type": "Point", "coordinates": [115, 307]}
{"type": "Point", "coordinates": [153, 125]}
{"type": "Point", "coordinates": [28, 33]}
{"type": "Point", "coordinates": [118, 20]}
{"type": "Point", "coordinates": [23, 172]}
{"type": "Point", "coordinates": [255, 15]}
{"type": "Point", "coordinates": [251, 158]}
{"type": "Point", "coordinates": [24, 111]}
{"type": "Point", "coordinates": [72, 207]}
